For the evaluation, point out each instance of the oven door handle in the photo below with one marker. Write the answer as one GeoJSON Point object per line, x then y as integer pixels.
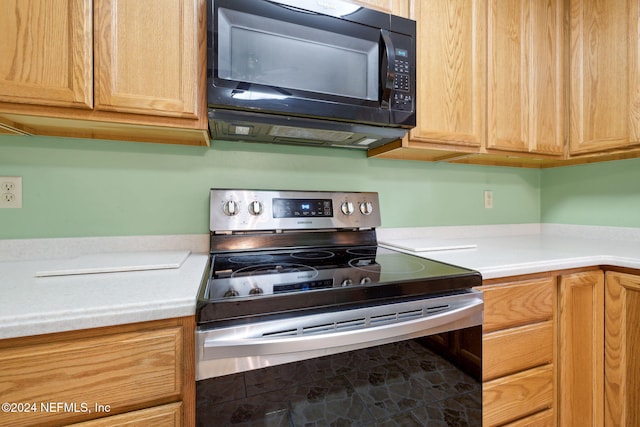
{"type": "Point", "coordinates": [467, 315]}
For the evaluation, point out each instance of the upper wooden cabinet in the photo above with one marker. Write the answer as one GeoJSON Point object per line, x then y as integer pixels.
{"type": "Point", "coordinates": [130, 69]}
{"type": "Point", "coordinates": [525, 102]}
{"type": "Point", "coordinates": [146, 57]}
{"type": "Point", "coordinates": [604, 109]}
{"type": "Point", "coordinates": [450, 72]}
{"type": "Point", "coordinates": [490, 80]}
{"type": "Point", "coordinates": [46, 54]}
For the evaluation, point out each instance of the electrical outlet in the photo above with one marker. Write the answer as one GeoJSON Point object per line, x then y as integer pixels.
{"type": "Point", "coordinates": [10, 192]}
{"type": "Point", "coordinates": [488, 199]}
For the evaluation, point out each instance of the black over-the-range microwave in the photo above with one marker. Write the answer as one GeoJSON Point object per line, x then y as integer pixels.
{"type": "Point", "coordinates": [320, 72]}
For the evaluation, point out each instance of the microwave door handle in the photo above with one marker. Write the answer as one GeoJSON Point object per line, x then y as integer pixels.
{"type": "Point", "coordinates": [387, 74]}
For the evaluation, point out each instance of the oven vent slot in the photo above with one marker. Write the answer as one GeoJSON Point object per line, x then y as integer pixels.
{"type": "Point", "coordinates": [384, 318]}
{"type": "Point", "coordinates": [318, 328]}
{"type": "Point", "coordinates": [358, 322]}
{"type": "Point", "coordinates": [348, 324]}
{"type": "Point", "coordinates": [413, 314]}
{"type": "Point", "coordinates": [438, 308]}
{"type": "Point", "coordinates": [285, 333]}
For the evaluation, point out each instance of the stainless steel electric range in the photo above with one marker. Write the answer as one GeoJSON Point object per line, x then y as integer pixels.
{"type": "Point", "coordinates": [297, 277]}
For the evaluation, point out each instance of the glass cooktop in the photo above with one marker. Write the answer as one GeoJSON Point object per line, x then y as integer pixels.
{"type": "Point", "coordinates": [270, 282]}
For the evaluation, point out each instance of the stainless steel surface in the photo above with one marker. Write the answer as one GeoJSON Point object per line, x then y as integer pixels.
{"type": "Point", "coordinates": [305, 320]}
{"type": "Point", "coordinates": [246, 285]}
{"type": "Point", "coordinates": [250, 210]}
{"type": "Point", "coordinates": [224, 351]}
{"type": "Point", "coordinates": [245, 323]}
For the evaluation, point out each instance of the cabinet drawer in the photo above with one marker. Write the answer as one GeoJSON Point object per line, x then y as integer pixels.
{"type": "Point", "coordinates": [510, 398]}
{"type": "Point", "coordinates": [518, 303]}
{"type": "Point", "coordinates": [160, 416]}
{"type": "Point", "coordinates": [541, 419]}
{"type": "Point", "coordinates": [517, 349]}
{"type": "Point", "coordinates": [123, 371]}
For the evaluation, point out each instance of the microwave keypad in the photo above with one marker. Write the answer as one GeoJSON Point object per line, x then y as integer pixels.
{"type": "Point", "coordinates": [401, 81]}
{"type": "Point", "coordinates": [402, 101]}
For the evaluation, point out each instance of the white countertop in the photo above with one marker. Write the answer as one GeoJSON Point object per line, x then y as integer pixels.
{"type": "Point", "coordinates": [511, 251]}
{"type": "Point", "coordinates": [31, 305]}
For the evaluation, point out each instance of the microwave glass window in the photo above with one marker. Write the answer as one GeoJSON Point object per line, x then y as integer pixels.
{"type": "Point", "coordinates": [274, 53]}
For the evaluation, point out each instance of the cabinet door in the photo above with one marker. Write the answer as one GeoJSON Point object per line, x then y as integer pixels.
{"type": "Point", "coordinates": [160, 416]}
{"type": "Point", "coordinates": [525, 103]}
{"type": "Point", "coordinates": [451, 73]}
{"type": "Point", "coordinates": [604, 104]}
{"type": "Point", "coordinates": [147, 56]}
{"type": "Point", "coordinates": [622, 347]}
{"type": "Point", "coordinates": [516, 396]}
{"type": "Point", "coordinates": [122, 371]}
{"type": "Point", "coordinates": [580, 349]}
{"type": "Point", "coordinates": [518, 303]}
{"type": "Point", "coordinates": [46, 52]}
{"type": "Point", "coordinates": [513, 350]}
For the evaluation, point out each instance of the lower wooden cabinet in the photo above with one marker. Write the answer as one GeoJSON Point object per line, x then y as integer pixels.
{"type": "Point", "coordinates": [580, 349]}
{"type": "Point", "coordinates": [561, 349]}
{"type": "Point", "coordinates": [541, 419]}
{"type": "Point", "coordinates": [140, 374]}
{"type": "Point", "coordinates": [160, 416]}
{"type": "Point", "coordinates": [518, 352]}
{"type": "Point", "coordinates": [517, 396]}
{"type": "Point", "coordinates": [622, 350]}
{"type": "Point", "coordinates": [516, 349]}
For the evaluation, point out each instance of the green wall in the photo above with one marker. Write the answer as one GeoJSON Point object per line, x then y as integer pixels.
{"type": "Point", "coordinates": [606, 193]}
{"type": "Point", "coordinates": [78, 187]}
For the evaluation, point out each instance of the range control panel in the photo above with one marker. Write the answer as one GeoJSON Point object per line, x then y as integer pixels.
{"type": "Point", "coordinates": [260, 210]}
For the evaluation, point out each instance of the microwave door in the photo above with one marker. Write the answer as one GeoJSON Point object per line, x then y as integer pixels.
{"type": "Point", "coordinates": [275, 59]}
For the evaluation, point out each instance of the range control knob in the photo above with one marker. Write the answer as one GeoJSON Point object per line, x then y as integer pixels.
{"type": "Point", "coordinates": [347, 208]}
{"type": "Point", "coordinates": [346, 282]}
{"type": "Point", "coordinates": [230, 208]}
{"type": "Point", "coordinates": [231, 293]}
{"type": "Point", "coordinates": [256, 291]}
{"type": "Point", "coordinates": [255, 208]}
{"type": "Point", "coordinates": [366, 208]}
{"type": "Point", "coordinates": [365, 280]}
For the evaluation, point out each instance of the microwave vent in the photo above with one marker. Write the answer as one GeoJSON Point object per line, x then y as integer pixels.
{"type": "Point", "coordinates": [305, 133]}
{"type": "Point", "coordinates": [234, 125]}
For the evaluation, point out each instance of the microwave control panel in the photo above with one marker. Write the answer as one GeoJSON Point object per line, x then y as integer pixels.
{"type": "Point", "coordinates": [404, 70]}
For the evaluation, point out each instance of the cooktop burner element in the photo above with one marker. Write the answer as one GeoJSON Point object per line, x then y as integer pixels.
{"type": "Point", "coordinates": [286, 259]}
{"type": "Point", "coordinates": [312, 254]}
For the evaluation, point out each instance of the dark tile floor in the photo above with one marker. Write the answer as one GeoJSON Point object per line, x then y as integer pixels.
{"type": "Point", "coordinates": [401, 384]}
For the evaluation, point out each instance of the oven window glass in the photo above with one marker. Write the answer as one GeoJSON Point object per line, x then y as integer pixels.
{"type": "Point", "coordinates": [404, 383]}
{"type": "Point", "coordinates": [280, 54]}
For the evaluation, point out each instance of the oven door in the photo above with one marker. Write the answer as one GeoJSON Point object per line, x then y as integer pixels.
{"type": "Point", "coordinates": [275, 57]}
{"type": "Point", "coordinates": [401, 363]}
